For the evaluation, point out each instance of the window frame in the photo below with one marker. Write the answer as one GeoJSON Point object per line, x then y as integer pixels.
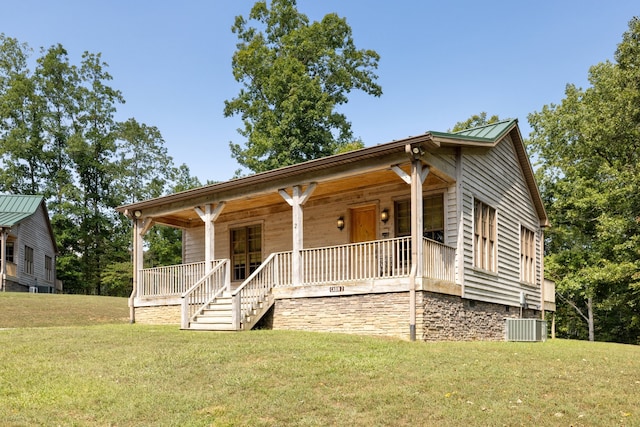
{"type": "Point", "coordinates": [249, 265]}
{"type": "Point", "coordinates": [28, 267]}
{"type": "Point", "coordinates": [48, 267]}
{"type": "Point", "coordinates": [485, 236]}
{"type": "Point", "coordinates": [428, 233]}
{"type": "Point", "coordinates": [527, 255]}
{"type": "Point", "coordinates": [10, 252]}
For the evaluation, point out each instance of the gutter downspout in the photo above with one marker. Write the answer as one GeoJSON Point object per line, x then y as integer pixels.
{"type": "Point", "coordinates": [417, 178]}
{"type": "Point", "coordinates": [412, 302]}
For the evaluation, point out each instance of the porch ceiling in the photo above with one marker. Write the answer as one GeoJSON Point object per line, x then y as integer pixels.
{"type": "Point", "coordinates": [188, 218]}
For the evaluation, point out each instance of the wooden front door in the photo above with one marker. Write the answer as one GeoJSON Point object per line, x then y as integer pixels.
{"type": "Point", "coordinates": [363, 224]}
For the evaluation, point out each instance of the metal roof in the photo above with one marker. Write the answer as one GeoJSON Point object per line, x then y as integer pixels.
{"type": "Point", "coordinates": [481, 135]}
{"type": "Point", "coordinates": [492, 131]}
{"type": "Point", "coordinates": [14, 208]}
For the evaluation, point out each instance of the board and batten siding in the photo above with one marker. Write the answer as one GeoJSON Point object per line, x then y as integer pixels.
{"type": "Point", "coordinates": [33, 231]}
{"type": "Point", "coordinates": [494, 177]}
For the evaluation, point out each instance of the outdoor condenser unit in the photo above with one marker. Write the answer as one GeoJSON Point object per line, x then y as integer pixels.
{"type": "Point", "coordinates": [526, 330]}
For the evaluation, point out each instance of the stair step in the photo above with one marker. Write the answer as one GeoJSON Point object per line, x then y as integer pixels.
{"type": "Point", "coordinates": [211, 327]}
{"type": "Point", "coordinates": [213, 319]}
{"type": "Point", "coordinates": [216, 310]}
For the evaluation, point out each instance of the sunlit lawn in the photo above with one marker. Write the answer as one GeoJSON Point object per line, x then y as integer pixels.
{"type": "Point", "coordinates": [125, 375]}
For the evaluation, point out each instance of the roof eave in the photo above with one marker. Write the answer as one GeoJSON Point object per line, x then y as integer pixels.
{"type": "Point", "coordinates": [425, 140]}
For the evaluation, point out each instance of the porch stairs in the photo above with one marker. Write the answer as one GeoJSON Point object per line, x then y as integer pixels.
{"type": "Point", "coordinates": [211, 304]}
{"type": "Point", "coordinates": [219, 315]}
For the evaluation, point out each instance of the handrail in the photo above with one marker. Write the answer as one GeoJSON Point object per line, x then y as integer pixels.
{"type": "Point", "coordinates": [205, 290]}
{"type": "Point", "coordinates": [257, 287]}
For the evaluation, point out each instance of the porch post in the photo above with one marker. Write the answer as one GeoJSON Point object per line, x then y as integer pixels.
{"type": "Point", "coordinates": [296, 201]}
{"type": "Point", "coordinates": [3, 259]}
{"type": "Point", "coordinates": [140, 228]}
{"type": "Point", "coordinates": [418, 175]}
{"type": "Point", "coordinates": [208, 217]}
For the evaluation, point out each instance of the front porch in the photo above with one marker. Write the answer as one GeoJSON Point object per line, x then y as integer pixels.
{"type": "Point", "coordinates": [209, 300]}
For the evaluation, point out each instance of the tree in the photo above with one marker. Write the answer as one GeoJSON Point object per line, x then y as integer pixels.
{"type": "Point", "coordinates": [144, 162]}
{"type": "Point", "coordinates": [589, 152]}
{"type": "Point", "coordinates": [59, 138]}
{"type": "Point", "coordinates": [295, 74]}
{"type": "Point", "coordinates": [475, 121]}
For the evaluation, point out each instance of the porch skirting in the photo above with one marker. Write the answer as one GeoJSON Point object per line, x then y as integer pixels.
{"type": "Point", "coordinates": [159, 315]}
{"type": "Point", "coordinates": [439, 317]}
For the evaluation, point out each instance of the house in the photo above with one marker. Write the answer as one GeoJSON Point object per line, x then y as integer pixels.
{"type": "Point", "coordinates": [27, 245]}
{"type": "Point", "coordinates": [435, 237]}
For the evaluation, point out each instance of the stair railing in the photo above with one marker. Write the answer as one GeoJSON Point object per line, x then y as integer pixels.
{"type": "Point", "coordinates": [205, 290]}
{"type": "Point", "coordinates": [256, 289]}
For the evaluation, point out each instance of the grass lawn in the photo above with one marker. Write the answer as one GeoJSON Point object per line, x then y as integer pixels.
{"type": "Point", "coordinates": [130, 375]}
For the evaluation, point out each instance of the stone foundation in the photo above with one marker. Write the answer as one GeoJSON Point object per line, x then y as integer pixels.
{"type": "Point", "coordinates": [439, 317]}
{"type": "Point", "coordinates": [451, 318]}
{"type": "Point", "coordinates": [159, 315]}
{"type": "Point", "coordinates": [370, 314]}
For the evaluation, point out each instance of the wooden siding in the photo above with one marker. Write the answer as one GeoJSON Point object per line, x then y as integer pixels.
{"type": "Point", "coordinates": [494, 177]}
{"type": "Point", "coordinates": [34, 232]}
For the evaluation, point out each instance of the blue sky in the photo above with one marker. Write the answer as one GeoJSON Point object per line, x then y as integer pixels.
{"type": "Point", "coordinates": [441, 61]}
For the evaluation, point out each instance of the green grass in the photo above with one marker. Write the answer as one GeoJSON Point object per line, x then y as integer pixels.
{"type": "Point", "coordinates": [130, 375]}
{"type": "Point", "coordinates": [21, 309]}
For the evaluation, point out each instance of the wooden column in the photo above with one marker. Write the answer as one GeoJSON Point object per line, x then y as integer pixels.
{"type": "Point", "coordinates": [418, 175]}
{"type": "Point", "coordinates": [296, 200]}
{"type": "Point", "coordinates": [208, 216]}
{"type": "Point", "coordinates": [3, 258]}
{"type": "Point", "coordinates": [140, 228]}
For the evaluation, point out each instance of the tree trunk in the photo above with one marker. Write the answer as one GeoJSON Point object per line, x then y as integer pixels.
{"type": "Point", "coordinates": [590, 319]}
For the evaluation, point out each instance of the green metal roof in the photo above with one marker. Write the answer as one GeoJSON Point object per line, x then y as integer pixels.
{"type": "Point", "coordinates": [487, 133]}
{"type": "Point", "coordinates": [14, 208]}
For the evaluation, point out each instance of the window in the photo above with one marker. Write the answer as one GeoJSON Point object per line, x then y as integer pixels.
{"type": "Point", "coordinates": [28, 260]}
{"type": "Point", "coordinates": [246, 251]}
{"type": "Point", "coordinates": [527, 255]}
{"type": "Point", "coordinates": [48, 268]}
{"type": "Point", "coordinates": [9, 252]}
{"type": "Point", "coordinates": [432, 217]}
{"type": "Point", "coordinates": [485, 235]}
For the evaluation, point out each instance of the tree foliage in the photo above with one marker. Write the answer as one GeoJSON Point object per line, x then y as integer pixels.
{"type": "Point", "coordinates": [589, 152]}
{"type": "Point", "coordinates": [475, 121]}
{"type": "Point", "coordinates": [59, 138]}
{"type": "Point", "coordinates": [294, 75]}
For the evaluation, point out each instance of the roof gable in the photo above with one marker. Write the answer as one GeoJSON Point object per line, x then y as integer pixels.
{"type": "Point", "coordinates": [14, 208]}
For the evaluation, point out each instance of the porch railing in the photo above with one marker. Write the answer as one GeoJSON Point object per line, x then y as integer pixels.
{"type": "Point", "coordinates": [253, 296]}
{"type": "Point", "coordinates": [439, 261]}
{"type": "Point", "coordinates": [378, 259]}
{"type": "Point", "coordinates": [205, 290]}
{"type": "Point", "coordinates": [359, 261]}
{"type": "Point", "coordinates": [171, 280]}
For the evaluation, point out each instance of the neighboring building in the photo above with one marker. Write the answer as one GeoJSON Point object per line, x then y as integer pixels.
{"type": "Point", "coordinates": [437, 236]}
{"type": "Point", "coordinates": [27, 246]}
